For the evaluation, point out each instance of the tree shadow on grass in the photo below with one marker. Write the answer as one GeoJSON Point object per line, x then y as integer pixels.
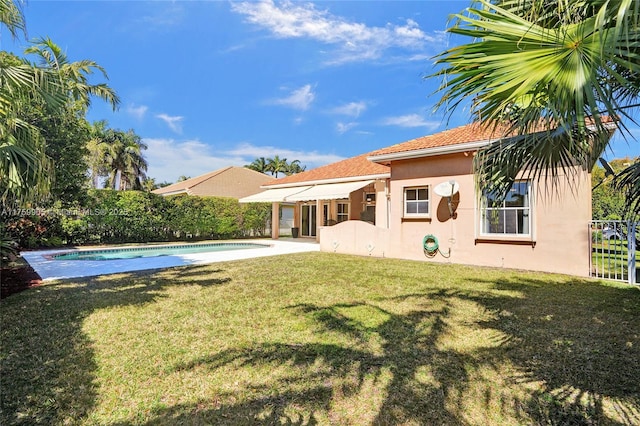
{"type": "Point", "coordinates": [573, 345]}
{"type": "Point", "coordinates": [578, 341]}
{"type": "Point", "coordinates": [47, 366]}
{"type": "Point", "coordinates": [333, 371]}
{"type": "Point", "coordinates": [263, 411]}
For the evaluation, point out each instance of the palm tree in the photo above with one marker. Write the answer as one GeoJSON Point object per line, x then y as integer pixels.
{"type": "Point", "coordinates": [276, 165]}
{"type": "Point", "coordinates": [550, 72]}
{"type": "Point", "coordinates": [294, 167]}
{"type": "Point", "coordinates": [149, 184]}
{"type": "Point", "coordinates": [11, 17]}
{"type": "Point", "coordinates": [125, 161]}
{"type": "Point", "coordinates": [25, 170]}
{"type": "Point", "coordinates": [73, 74]}
{"type": "Point", "coordinates": [259, 165]}
{"type": "Point", "coordinates": [97, 147]}
{"type": "Point", "coordinates": [24, 167]}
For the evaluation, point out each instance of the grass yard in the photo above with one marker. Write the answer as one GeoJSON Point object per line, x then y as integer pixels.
{"type": "Point", "coordinates": [321, 338]}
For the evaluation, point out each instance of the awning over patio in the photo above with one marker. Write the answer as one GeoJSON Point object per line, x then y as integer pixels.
{"type": "Point", "coordinates": [329, 191]}
{"type": "Point", "coordinates": [277, 195]}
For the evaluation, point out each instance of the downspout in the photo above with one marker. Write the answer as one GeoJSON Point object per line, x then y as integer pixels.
{"type": "Point", "coordinates": [387, 193]}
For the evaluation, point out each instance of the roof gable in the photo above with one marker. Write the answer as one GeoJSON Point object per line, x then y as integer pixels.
{"type": "Point", "coordinates": [235, 182]}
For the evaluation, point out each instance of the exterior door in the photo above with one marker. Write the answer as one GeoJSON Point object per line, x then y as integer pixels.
{"type": "Point", "coordinates": [308, 219]}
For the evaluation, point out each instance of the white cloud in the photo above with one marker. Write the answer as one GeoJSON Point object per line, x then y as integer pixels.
{"type": "Point", "coordinates": [174, 122]}
{"type": "Point", "coordinates": [298, 99]}
{"type": "Point", "coordinates": [168, 158]}
{"type": "Point", "coordinates": [345, 127]}
{"type": "Point", "coordinates": [410, 120]}
{"type": "Point", "coordinates": [310, 159]}
{"type": "Point", "coordinates": [352, 109]}
{"type": "Point", "coordinates": [354, 41]}
{"type": "Point", "coordinates": [164, 17]}
{"type": "Point", "coordinates": [137, 112]}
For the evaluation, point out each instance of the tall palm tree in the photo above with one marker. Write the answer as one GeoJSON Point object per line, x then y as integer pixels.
{"type": "Point", "coordinates": [259, 165]}
{"type": "Point", "coordinates": [73, 74]}
{"type": "Point", "coordinates": [548, 71]}
{"type": "Point", "coordinates": [276, 165]}
{"type": "Point", "coordinates": [125, 162]}
{"type": "Point", "coordinates": [25, 170]}
{"type": "Point", "coordinates": [24, 167]}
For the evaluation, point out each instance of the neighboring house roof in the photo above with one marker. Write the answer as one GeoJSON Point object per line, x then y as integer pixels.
{"type": "Point", "coordinates": [234, 182]}
{"type": "Point", "coordinates": [352, 169]}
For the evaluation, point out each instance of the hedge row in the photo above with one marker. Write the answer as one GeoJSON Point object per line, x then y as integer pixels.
{"type": "Point", "coordinates": [134, 217]}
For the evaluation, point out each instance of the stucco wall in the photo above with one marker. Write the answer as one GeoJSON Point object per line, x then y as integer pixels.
{"type": "Point", "coordinates": [558, 241]}
{"type": "Point", "coordinates": [354, 237]}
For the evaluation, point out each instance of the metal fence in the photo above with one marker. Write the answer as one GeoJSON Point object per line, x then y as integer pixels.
{"type": "Point", "coordinates": [614, 248]}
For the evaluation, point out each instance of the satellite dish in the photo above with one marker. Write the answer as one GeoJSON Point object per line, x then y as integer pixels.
{"type": "Point", "coordinates": [608, 171]}
{"type": "Point", "coordinates": [447, 189]}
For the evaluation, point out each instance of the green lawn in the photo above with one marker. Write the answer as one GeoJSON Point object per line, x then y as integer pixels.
{"type": "Point", "coordinates": [321, 338]}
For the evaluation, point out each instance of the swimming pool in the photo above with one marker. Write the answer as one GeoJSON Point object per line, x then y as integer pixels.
{"type": "Point", "coordinates": [153, 251]}
{"type": "Point", "coordinates": [51, 267]}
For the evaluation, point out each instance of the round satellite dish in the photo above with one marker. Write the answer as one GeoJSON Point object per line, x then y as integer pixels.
{"type": "Point", "coordinates": [447, 189]}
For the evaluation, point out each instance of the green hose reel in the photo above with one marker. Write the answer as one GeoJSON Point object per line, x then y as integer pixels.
{"type": "Point", "coordinates": [430, 245]}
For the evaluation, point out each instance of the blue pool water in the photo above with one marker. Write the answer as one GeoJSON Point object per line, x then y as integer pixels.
{"type": "Point", "coordinates": [154, 251]}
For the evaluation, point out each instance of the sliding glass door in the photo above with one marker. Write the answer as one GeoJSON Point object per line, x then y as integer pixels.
{"type": "Point", "coordinates": [308, 219]}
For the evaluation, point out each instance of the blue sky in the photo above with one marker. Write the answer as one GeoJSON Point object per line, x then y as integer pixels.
{"type": "Point", "coordinates": [217, 83]}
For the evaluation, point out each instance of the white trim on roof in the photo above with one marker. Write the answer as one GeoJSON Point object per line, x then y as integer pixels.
{"type": "Point", "coordinates": [176, 192]}
{"type": "Point", "coordinates": [276, 195]}
{"type": "Point", "coordinates": [329, 191]}
{"type": "Point", "coordinates": [332, 180]}
{"type": "Point", "coordinates": [428, 152]}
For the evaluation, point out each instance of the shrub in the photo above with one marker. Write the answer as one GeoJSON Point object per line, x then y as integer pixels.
{"type": "Point", "coordinates": [111, 216]}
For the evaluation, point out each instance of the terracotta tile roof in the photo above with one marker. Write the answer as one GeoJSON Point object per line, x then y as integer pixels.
{"type": "Point", "coordinates": [474, 132]}
{"type": "Point", "coordinates": [351, 167]}
{"type": "Point", "coordinates": [458, 135]}
{"type": "Point", "coordinates": [234, 182]}
{"type": "Point", "coordinates": [361, 166]}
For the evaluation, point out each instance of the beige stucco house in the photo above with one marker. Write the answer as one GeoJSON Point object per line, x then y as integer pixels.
{"type": "Point", "coordinates": [233, 182]}
{"type": "Point", "coordinates": [393, 203]}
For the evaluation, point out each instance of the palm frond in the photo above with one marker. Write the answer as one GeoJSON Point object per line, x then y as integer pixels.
{"type": "Point", "coordinates": [11, 16]}
{"type": "Point", "coordinates": [628, 180]}
{"type": "Point", "coordinates": [556, 72]}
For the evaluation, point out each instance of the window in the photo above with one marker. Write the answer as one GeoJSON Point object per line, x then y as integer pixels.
{"type": "Point", "coordinates": [370, 198]}
{"type": "Point", "coordinates": [343, 212]}
{"type": "Point", "coordinates": [510, 216]}
{"type": "Point", "coordinates": [416, 201]}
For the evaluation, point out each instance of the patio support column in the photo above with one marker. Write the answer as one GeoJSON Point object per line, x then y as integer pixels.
{"type": "Point", "coordinates": [275, 221]}
{"type": "Point", "coordinates": [319, 218]}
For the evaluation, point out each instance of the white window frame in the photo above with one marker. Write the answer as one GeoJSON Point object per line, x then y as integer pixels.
{"type": "Point", "coordinates": [527, 214]}
{"type": "Point", "coordinates": [416, 201]}
{"type": "Point", "coordinates": [342, 216]}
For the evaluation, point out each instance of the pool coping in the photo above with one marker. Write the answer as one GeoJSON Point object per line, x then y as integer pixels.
{"type": "Point", "coordinates": [139, 247]}
{"type": "Point", "coordinates": [49, 269]}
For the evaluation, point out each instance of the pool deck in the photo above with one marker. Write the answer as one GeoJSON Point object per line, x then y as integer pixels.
{"type": "Point", "coordinates": [50, 269]}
